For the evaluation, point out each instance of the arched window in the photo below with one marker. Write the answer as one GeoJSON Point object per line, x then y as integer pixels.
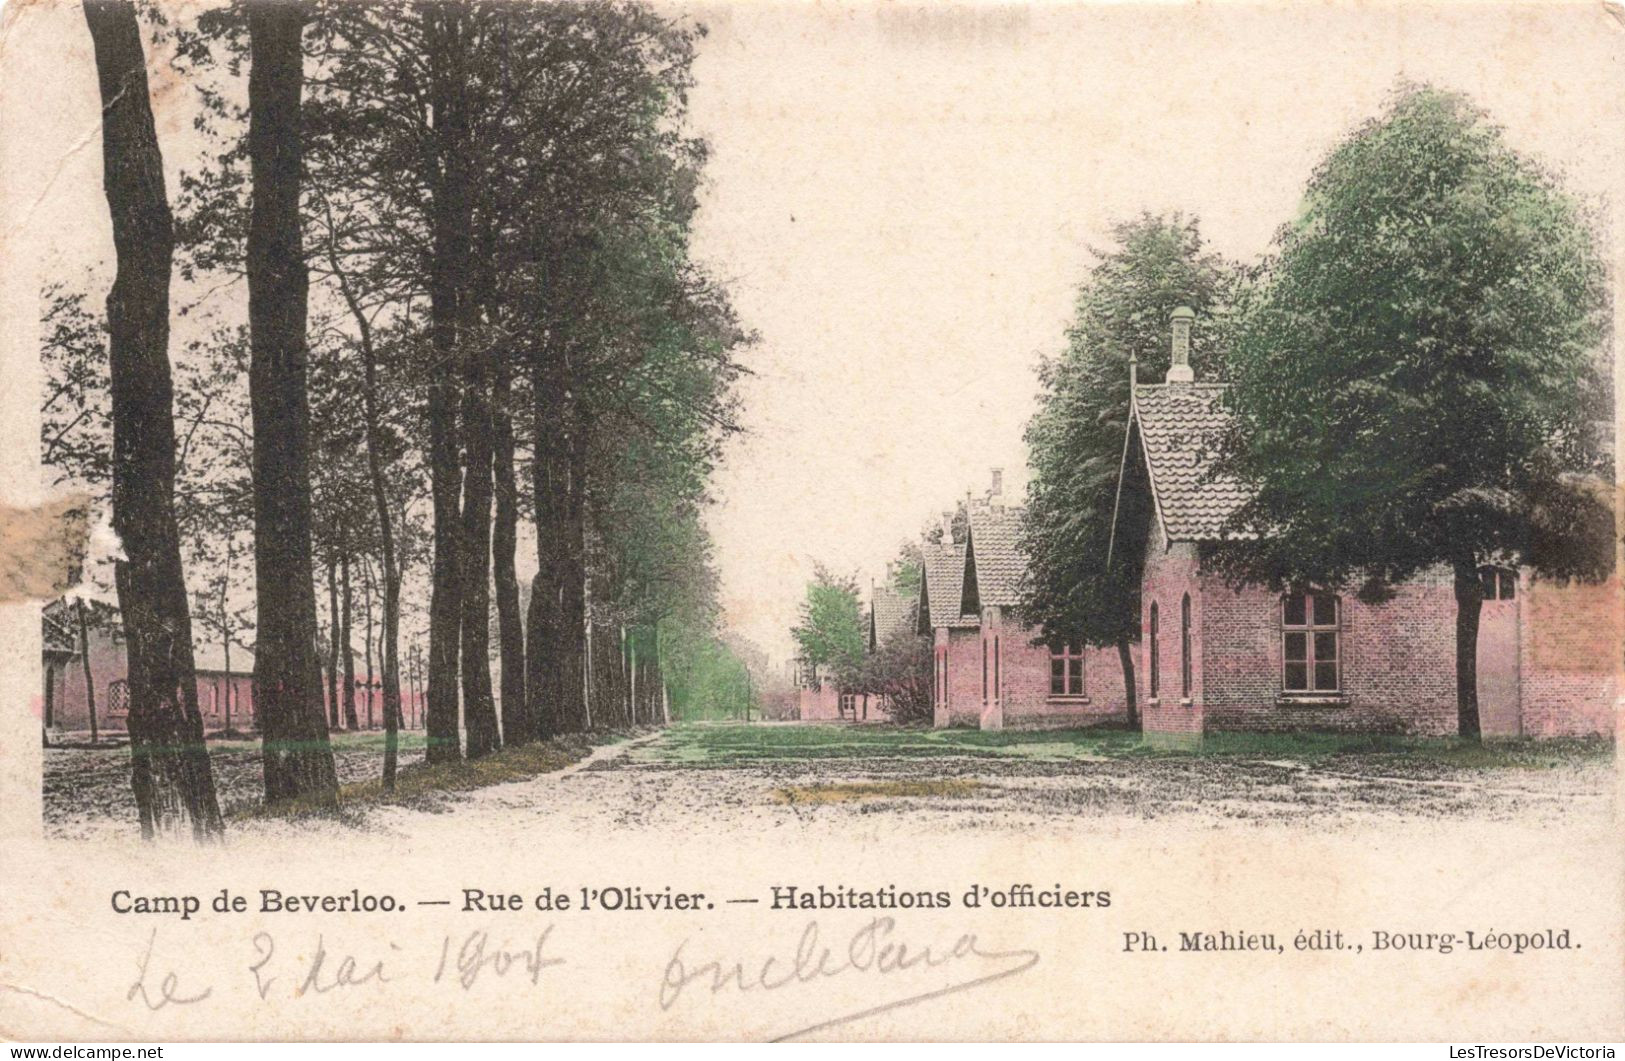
{"type": "Point", "coordinates": [1185, 647]}
{"type": "Point", "coordinates": [1311, 654]}
{"type": "Point", "coordinates": [1155, 655]}
{"type": "Point", "coordinates": [936, 680]}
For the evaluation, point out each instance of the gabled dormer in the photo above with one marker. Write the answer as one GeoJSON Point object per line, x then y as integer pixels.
{"type": "Point", "coordinates": [970, 594]}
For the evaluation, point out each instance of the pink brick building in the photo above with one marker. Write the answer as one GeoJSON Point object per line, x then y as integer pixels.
{"type": "Point", "coordinates": [225, 696]}
{"type": "Point", "coordinates": [989, 672]}
{"type": "Point", "coordinates": [1212, 657]}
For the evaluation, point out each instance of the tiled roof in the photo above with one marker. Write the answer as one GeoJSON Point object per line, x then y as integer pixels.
{"type": "Point", "coordinates": [995, 535]}
{"type": "Point", "coordinates": [59, 623]}
{"type": "Point", "coordinates": [944, 577]}
{"type": "Point", "coordinates": [60, 637]}
{"type": "Point", "coordinates": [892, 613]}
{"type": "Point", "coordinates": [1180, 428]}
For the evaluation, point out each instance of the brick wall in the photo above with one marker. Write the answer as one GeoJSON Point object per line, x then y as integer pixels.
{"type": "Point", "coordinates": [1398, 661]}
{"type": "Point", "coordinates": [964, 648]}
{"type": "Point", "coordinates": [1027, 700]}
{"type": "Point", "coordinates": [822, 704]}
{"type": "Point", "coordinates": [1569, 655]}
{"type": "Point", "coordinates": [211, 700]}
{"type": "Point", "coordinates": [71, 707]}
{"type": "Point", "coordinates": [1169, 575]}
{"type": "Point", "coordinates": [1398, 658]}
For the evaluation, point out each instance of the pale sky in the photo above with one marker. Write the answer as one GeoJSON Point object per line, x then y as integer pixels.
{"type": "Point", "coordinates": [904, 199]}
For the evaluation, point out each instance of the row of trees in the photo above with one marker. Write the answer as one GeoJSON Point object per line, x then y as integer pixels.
{"type": "Point", "coordinates": [464, 232]}
{"type": "Point", "coordinates": [1415, 376]}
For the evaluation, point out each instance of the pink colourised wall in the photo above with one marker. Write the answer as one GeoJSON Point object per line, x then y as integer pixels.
{"type": "Point", "coordinates": [1020, 697]}
{"type": "Point", "coordinates": [1569, 656]}
{"type": "Point", "coordinates": [822, 704]}
{"type": "Point", "coordinates": [70, 711]}
{"type": "Point", "coordinates": [964, 649]}
{"type": "Point", "coordinates": [1398, 657]}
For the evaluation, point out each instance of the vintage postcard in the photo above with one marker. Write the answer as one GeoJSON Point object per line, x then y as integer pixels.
{"type": "Point", "coordinates": [842, 521]}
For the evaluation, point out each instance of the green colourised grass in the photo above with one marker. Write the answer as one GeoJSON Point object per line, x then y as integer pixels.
{"type": "Point", "coordinates": [720, 744]}
{"type": "Point", "coordinates": [420, 782]}
{"type": "Point", "coordinates": [852, 791]}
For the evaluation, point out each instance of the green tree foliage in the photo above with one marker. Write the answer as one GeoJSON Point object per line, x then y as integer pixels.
{"type": "Point", "coordinates": [830, 633]}
{"type": "Point", "coordinates": [709, 681]}
{"type": "Point", "coordinates": [1417, 381]}
{"type": "Point", "coordinates": [908, 569]}
{"type": "Point", "coordinates": [1075, 441]}
{"type": "Point", "coordinates": [498, 208]}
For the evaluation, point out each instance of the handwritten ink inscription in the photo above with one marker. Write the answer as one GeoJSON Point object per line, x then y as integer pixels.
{"type": "Point", "coordinates": [875, 949]}
{"type": "Point", "coordinates": [307, 967]}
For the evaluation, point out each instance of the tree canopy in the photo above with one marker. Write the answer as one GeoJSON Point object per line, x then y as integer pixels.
{"type": "Point", "coordinates": [830, 632]}
{"type": "Point", "coordinates": [1416, 380]}
{"type": "Point", "coordinates": [1075, 440]}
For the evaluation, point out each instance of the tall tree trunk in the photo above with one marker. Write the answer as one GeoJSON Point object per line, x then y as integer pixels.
{"type": "Point", "coordinates": [84, 663]}
{"type": "Point", "coordinates": [170, 770]}
{"type": "Point", "coordinates": [366, 636]}
{"type": "Point", "coordinates": [624, 663]}
{"type": "Point", "coordinates": [479, 708]}
{"type": "Point", "coordinates": [517, 727]}
{"type": "Point", "coordinates": [642, 679]}
{"type": "Point", "coordinates": [386, 526]}
{"type": "Point", "coordinates": [225, 648]}
{"type": "Point", "coordinates": [606, 657]}
{"type": "Point", "coordinates": [572, 648]}
{"type": "Point", "coordinates": [543, 681]}
{"type": "Point", "coordinates": [662, 716]}
{"type": "Point", "coordinates": [347, 640]}
{"type": "Point", "coordinates": [225, 633]}
{"type": "Point", "coordinates": [50, 700]}
{"type": "Point", "coordinates": [332, 643]}
{"type": "Point", "coordinates": [1469, 605]}
{"type": "Point", "coordinates": [446, 34]}
{"type": "Point", "coordinates": [1126, 659]}
{"type": "Point", "coordinates": [287, 673]}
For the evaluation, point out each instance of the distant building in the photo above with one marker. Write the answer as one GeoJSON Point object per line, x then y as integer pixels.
{"type": "Point", "coordinates": [225, 696]}
{"type": "Point", "coordinates": [891, 611]}
{"type": "Point", "coordinates": [818, 698]}
{"type": "Point", "coordinates": [990, 668]}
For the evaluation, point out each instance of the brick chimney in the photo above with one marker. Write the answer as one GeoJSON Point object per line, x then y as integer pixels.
{"type": "Point", "coordinates": [1179, 368]}
{"type": "Point", "coordinates": [947, 526]}
{"type": "Point", "coordinates": [997, 489]}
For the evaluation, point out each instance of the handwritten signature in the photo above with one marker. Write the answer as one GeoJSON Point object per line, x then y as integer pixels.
{"type": "Point", "coordinates": [874, 948]}
{"type": "Point", "coordinates": [476, 955]}
{"type": "Point", "coordinates": [167, 986]}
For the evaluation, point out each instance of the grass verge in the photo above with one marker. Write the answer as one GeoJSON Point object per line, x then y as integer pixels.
{"type": "Point", "coordinates": [722, 745]}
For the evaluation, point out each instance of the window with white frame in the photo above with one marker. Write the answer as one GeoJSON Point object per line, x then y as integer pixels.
{"type": "Point", "coordinates": [1066, 671]}
{"type": "Point", "coordinates": [1311, 652]}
